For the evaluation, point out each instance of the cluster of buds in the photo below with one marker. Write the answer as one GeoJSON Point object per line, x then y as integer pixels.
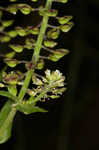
{"type": "Point", "coordinates": [52, 81]}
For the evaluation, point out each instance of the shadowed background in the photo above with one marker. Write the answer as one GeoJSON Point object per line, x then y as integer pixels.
{"type": "Point", "coordinates": [72, 120]}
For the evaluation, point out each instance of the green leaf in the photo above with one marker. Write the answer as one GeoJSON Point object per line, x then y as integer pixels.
{"type": "Point", "coordinates": [3, 116]}
{"type": "Point", "coordinates": [8, 95]}
{"type": "Point", "coordinates": [29, 108]}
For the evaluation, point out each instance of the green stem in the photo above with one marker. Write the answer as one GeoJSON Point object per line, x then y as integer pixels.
{"type": "Point", "coordinates": [42, 32]}
{"type": "Point", "coordinates": [25, 85]}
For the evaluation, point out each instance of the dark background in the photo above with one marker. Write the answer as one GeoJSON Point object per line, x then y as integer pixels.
{"type": "Point", "coordinates": [72, 122]}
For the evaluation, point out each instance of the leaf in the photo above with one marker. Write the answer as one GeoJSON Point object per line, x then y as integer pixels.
{"type": "Point", "coordinates": [8, 95]}
{"type": "Point", "coordinates": [3, 116]}
{"type": "Point", "coordinates": [29, 108]}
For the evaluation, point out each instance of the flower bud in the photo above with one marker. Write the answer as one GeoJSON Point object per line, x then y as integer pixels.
{"type": "Point", "coordinates": [17, 48]}
{"type": "Point", "coordinates": [53, 33]}
{"type": "Point", "coordinates": [12, 9]}
{"type": "Point", "coordinates": [64, 20]}
{"type": "Point", "coordinates": [24, 8]}
{"type": "Point", "coordinates": [11, 63]}
{"type": "Point", "coordinates": [58, 54]}
{"type": "Point", "coordinates": [4, 39]}
{"type": "Point", "coordinates": [49, 43]}
{"type": "Point", "coordinates": [12, 33]}
{"type": "Point", "coordinates": [66, 27]}
{"type": "Point", "coordinates": [20, 31]}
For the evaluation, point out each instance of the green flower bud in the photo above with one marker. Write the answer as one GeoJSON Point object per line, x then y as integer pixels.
{"type": "Point", "coordinates": [25, 9]}
{"type": "Point", "coordinates": [13, 0]}
{"type": "Point", "coordinates": [62, 1]}
{"type": "Point", "coordinates": [2, 85]}
{"type": "Point", "coordinates": [11, 63]}
{"type": "Point", "coordinates": [12, 89]}
{"type": "Point", "coordinates": [33, 30]}
{"type": "Point", "coordinates": [17, 48]}
{"type": "Point", "coordinates": [1, 14]}
{"type": "Point", "coordinates": [7, 23]}
{"type": "Point", "coordinates": [12, 33]}
{"type": "Point", "coordinates": [10, 78]}
{"type": "Point", "coordinates": [51, 13]}
{"type": "Point", "coordinates": [12, 9]}
{"type": "Point", "coordinates": [20, 31]}
{"type": "Point", "coordinates": [4, 39]}
{"type": "Point", "coordinates": [34, 0]}
{"type": "Point", "coordinates": [66, 27]}
{"type": "Point", "coordinates": [53, 33]}
{"type": "Point", "coordinates": [2, 28]}
{"type": "Point", "coordinates": [54, 96]}
{"type": "Point", "coordinates": [64, 20]}
{"type": "Point", "coordinates": [40, 64]}
{"type": "Point", "coordinates": [10, 54]}
{"type": "Point", "coordinates": [36, 81]}
{"type": "Point", "coordinates": [58, 54]}
{"type": "Point", "coordinates": [29, 43]}
{"type": "Point", "coordinates": [50, 44]}
{"type": "Point", "coordinates": [32, 92]}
